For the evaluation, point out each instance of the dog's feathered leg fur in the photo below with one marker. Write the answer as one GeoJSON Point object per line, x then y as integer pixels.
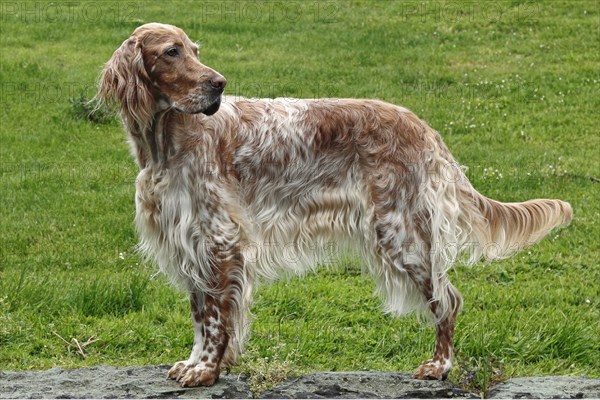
{"type": "Point", "coordinates": [180, 369]}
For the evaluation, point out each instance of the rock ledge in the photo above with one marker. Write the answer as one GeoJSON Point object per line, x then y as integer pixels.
{"type": "Point", "coordinates": [150, 382]}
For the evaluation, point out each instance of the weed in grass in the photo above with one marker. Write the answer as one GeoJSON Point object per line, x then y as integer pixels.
{"type": "Point", "coordinates": [85, 109]}
{"type": "Point", "coordinates": [263, 372]}
{"type": "Point", "coordinates": [477, 374]}
{"type": "Point", "coordinates": [78, 346]}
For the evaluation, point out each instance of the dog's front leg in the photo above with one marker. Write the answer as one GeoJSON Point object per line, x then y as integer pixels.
{"type": "Point", "coordinates": [180, 368]}
{"type": "Point", "coordinates": [215, 338]}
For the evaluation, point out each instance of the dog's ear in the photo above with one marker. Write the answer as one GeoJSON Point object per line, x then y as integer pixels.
{"type": "Point", "coordinates": [124, 80]}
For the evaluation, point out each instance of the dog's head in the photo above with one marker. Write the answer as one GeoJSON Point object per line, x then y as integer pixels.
{"type": "Point", "coordinates": [158, 68]}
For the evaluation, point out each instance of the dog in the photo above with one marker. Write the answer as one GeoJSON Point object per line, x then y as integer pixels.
{"type": "Point", "coordinates": [226, 188]}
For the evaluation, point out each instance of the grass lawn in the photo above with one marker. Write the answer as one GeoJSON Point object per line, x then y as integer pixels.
{"type": "Point", "coordinates": [513, 87]}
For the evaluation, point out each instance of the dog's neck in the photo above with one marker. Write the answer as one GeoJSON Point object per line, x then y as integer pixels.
{"type": "Point", "coordinates": [150, 141]}
{"type": "Point", "coordinates": [156, 139]}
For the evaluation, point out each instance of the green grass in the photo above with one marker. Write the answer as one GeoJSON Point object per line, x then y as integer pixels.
{"type": "Point", "coordinates": [513, 88]}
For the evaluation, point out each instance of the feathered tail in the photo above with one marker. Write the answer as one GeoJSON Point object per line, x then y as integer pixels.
{"type": "Point", "coordinates": [502, 229]}
{"type": "Point", "coordinates": [461, 220]}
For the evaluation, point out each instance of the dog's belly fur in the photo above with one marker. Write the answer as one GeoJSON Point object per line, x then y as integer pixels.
{"type": "Point", "coordinates": [296, 227]}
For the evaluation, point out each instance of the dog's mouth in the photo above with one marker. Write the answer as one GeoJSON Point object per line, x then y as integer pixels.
{"type": "Point", "coordinates": [213, 108]}
{"type": "Point", "coordinates": [210, 110]}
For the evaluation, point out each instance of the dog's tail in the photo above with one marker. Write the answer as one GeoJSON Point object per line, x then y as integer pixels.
{"type": "Point", "coordinates": [502, 229]}
{"type": "Point", "coordinates": [461, 220]}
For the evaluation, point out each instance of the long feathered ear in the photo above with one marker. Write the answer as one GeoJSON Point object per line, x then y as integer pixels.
{"type": "Point", "coordinates": [124, 80]}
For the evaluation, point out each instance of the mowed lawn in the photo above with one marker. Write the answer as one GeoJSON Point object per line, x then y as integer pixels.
{"type": "Point", "coordinates": [513, 87]}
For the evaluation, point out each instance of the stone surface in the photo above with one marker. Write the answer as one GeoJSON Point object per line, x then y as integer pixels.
{"type": "Point", "coordinates": [363, 385]}
{"type": "Point", "coordinates": [150, 382]}
{"type": "Point", "coordinates": [105, 382]}
{"type": "Point", "coordinates": [547, 387]}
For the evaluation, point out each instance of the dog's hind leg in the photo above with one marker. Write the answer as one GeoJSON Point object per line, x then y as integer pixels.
{"type": "Point", "coordinates": [404, 277]}
{"type": "Point", "coordinates": [444, 311]}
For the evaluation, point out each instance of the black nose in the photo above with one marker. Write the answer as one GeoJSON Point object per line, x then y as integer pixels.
{"type": "Point", "coordinates": [218, 82]}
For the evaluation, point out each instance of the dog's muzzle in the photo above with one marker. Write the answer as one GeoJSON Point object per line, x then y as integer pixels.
{"type": "Point", "coordinates": [217, 84]}
{"type": "Point", "coordinates": [213, 108]}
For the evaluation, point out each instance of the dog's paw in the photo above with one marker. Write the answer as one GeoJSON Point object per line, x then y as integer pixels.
{"type": "Point", "coordinates": [179, 370]}
{"type": "Point", "coordinates": [198, 376]}
{"type": "Point", "coordinates": [432, 370]}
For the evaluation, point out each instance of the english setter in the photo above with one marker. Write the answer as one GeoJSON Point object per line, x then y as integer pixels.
{"type": "Point", "coordinates": [224, 190]}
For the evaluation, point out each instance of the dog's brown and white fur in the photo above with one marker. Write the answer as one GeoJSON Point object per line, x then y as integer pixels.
{"type": "Point", "coordinates": [225, 190]}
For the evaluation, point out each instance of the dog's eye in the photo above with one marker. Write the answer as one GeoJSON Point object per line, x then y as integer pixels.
{"type": "Point", "coordinates": [172, 52]}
